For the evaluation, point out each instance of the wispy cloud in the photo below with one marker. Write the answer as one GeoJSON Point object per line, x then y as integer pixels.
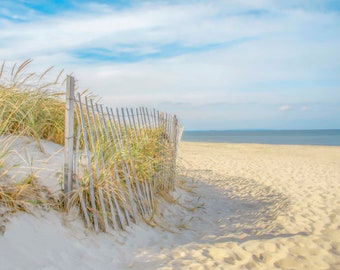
{"type": "Point", "coordinates": [285, 108]}
{"type": "Point", "coordinates": [191, 52]}
{"type": "Point", "coordinates": [163, 29]}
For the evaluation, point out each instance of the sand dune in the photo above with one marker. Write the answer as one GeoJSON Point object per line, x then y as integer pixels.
{"type": "Point", "coordinates": [238, 206]}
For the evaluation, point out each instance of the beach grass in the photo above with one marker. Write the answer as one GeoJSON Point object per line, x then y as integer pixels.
{"type": "Point", "coordinates": [28, 107]}
{"type": "Point", "coordinates": [142, 160]}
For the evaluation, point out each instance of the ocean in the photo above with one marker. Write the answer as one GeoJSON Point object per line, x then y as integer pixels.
{"type": "Point", "coordinates": [295, 137]}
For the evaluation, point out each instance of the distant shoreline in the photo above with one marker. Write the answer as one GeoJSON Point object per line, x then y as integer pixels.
{"type": "Point", "coordinates": [325, 137]}
{"type": "Point", "coordinates": [259, 129]}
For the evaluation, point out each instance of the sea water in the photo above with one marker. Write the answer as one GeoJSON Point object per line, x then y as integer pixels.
{"type": "Point", "coordinates": [304, 137]}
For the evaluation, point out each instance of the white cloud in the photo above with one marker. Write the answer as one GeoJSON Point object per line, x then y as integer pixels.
{"type": "Point", "coordinates": [285, 108]}
{"type": "Point", "coordinates": [262, 52]}
{"type": "Point", "coordinates": [188, 24]}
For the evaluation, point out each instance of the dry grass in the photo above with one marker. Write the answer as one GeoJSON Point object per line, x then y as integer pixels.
{"type": "Point", "coordinates": [25, 195]}
{"type": "Point", "coordinates": [28, 107]}
{"type": "Point", "coordinates": [126, 172]}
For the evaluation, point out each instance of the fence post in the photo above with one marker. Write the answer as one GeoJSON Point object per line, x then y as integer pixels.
{"type": "Point", "coordinates": [69, 130]}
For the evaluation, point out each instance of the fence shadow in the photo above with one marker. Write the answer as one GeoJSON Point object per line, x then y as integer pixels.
{"type": "Point", "coordinates": [235, 209]}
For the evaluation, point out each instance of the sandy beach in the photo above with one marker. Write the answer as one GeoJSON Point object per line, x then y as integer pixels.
{"type": "Point", "coordinates": [276, 206]}
{"type": "Point", "coordinates": [239, 206]}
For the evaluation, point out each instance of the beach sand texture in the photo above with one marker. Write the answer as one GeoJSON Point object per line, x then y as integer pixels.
{"type": "Point", "coordinates": [248, 206]}
{"type": "Point", "coordinates": [272, 206]}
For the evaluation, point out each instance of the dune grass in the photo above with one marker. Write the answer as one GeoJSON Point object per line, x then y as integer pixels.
{"type": "Point", "coordinates": [28, 107]}
{"type": "Point", "coordinates": [125, 169]}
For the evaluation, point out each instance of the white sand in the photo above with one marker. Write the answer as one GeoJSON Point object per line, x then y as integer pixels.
{"type": "Point", "coordinates": [256, 207]}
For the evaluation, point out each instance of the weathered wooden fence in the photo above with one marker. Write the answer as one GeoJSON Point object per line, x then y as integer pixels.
{"type": "Point", "coordinates": [116, 161]}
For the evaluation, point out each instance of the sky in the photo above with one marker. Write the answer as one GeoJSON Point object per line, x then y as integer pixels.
{"type": "Point", "coordinates": [217, 65]}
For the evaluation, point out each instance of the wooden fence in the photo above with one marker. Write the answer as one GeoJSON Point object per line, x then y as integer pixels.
{"type": "Point", "coordinates": [117, 160]}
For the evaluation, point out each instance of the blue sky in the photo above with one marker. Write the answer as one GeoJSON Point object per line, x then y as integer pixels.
{"type": "Point", "coordinates": [216, 64]}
